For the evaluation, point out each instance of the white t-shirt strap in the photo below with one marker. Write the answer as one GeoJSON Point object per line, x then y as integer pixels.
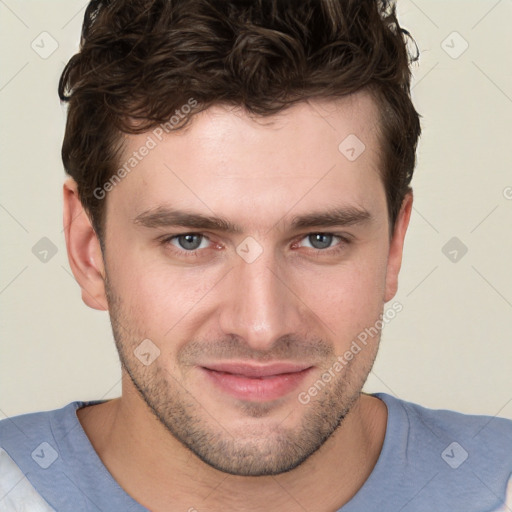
{"type": "Point", "coordinates": [16, 492]}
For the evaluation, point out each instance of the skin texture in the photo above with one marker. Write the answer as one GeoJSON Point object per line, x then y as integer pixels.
{"type": "Point", "coordinates": [175, 438]}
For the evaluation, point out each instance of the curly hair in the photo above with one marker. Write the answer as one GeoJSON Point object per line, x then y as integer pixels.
{"type": "Point", "coordinates": [141, 60]}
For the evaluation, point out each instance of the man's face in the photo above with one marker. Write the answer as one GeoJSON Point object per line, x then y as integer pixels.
{"type": "Point", "coordinates": [241, 322]}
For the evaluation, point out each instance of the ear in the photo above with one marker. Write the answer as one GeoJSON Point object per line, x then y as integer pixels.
{"type": "Point", "coordinates": [84, 250]}
{"type": "Point", "coordinates": [396, 247]}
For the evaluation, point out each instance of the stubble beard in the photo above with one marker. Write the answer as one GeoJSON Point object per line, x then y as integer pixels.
{"type": "Point", "coordinates": [257, 449]}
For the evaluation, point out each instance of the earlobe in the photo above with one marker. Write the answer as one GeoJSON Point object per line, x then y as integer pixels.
{"type": "Point", "coordinates": [83, 248]}
{"type": "Point", "coordinates": [396, 247]}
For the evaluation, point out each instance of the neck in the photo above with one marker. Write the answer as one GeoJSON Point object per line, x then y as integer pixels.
{"type": "Point", "coordinates": [161, 474]}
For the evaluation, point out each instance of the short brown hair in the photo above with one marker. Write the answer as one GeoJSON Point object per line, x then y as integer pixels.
{"type": "Point", "coordinates": [141, 60]}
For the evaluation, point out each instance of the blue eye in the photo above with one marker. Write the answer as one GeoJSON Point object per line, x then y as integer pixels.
{"type": "Point", "coordinates": [188, 241]}
{"type": "Point", "coordinates": [187, 244]}
{"type": "Point", "coordinates": [321, 241]}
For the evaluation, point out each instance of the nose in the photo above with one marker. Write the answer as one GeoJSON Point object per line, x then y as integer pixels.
{"type": "Point", "coordinates": [260, 305]}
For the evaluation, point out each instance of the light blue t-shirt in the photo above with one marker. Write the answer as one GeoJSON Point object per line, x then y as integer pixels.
{"type": "Point", "coordinates": [431, 461]}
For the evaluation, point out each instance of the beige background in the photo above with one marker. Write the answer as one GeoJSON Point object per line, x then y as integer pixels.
{"type": "Point", "coordinates": [450, 347]}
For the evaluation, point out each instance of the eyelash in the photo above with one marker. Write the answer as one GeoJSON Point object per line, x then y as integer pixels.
{"type": "Point", "coordinates": [317, 252]}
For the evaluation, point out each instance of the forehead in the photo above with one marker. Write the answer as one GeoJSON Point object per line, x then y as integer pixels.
{"type": "Point", "coordinates": [319, 151]}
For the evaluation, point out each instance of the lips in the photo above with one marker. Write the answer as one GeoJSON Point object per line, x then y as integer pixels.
{"type": "Point", "coordinates": [256, 382]}
{"type": "Point", "coordinates": [256, 371]}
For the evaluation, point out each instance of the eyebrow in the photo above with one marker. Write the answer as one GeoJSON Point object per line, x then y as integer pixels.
{"type": "Point", "coordinates": [168, 217]}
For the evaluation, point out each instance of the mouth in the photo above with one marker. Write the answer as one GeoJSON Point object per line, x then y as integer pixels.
{"type": "Point", "coordinates": [258, 383]}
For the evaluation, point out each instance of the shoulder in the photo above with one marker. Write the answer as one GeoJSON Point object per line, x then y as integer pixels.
{"type": "Point", "coordinates": [32, 440]}
{"type": "Point", "coordinates": [438, 459]}
{"type": "Point", "coordinates": [472, 452]}
{"type": "Point", "coordinates": [27, 448]}
{"type": "Point", "coordinates": [51, 454]}
{"type": "Point", "coordinates": [25, 429]}
{"type": "Point", "coordinates": [474, 429]}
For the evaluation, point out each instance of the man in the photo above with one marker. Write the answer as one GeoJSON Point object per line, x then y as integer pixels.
{"type": "Point", "coordinates": [238, 202]}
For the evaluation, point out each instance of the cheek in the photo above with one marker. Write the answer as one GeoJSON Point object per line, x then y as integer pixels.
{"type": "Point", "coordinates": [348, 297]}
{"type": "Point", "coordinates": [160, 299]}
